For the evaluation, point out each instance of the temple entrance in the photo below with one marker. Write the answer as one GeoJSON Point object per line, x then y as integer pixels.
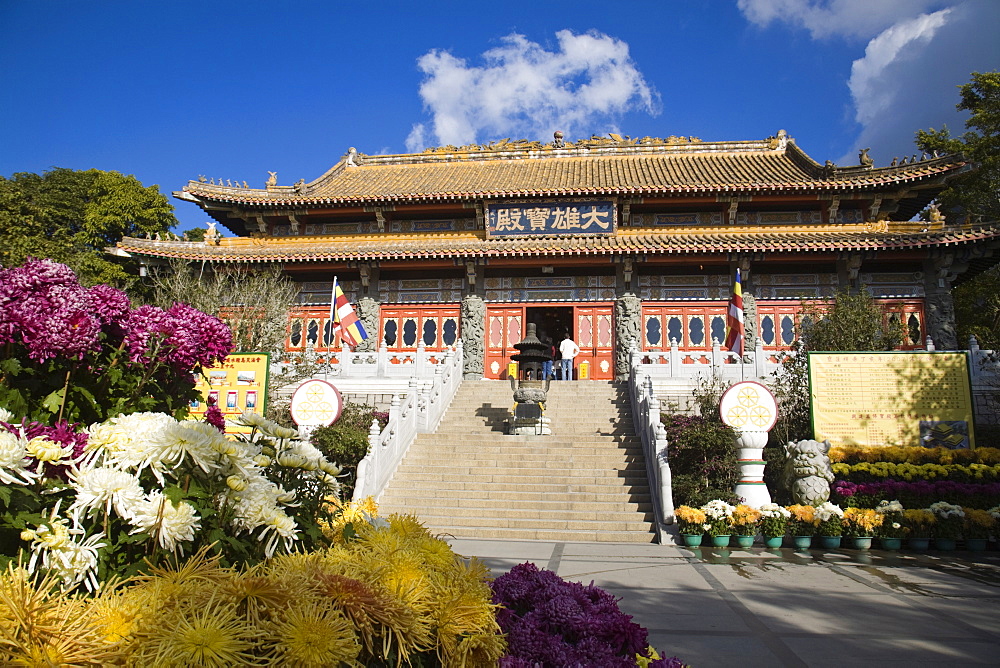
{"type": "Point", "coordinates": [551, 322]}
{"type": "Point", "coordinates": [590, 325]}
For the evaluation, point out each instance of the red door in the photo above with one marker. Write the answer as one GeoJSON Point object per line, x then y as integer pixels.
{"type": "Point", "coordinates": [594, 327]}
{"type": "Point", "coordinates": [504, 328]}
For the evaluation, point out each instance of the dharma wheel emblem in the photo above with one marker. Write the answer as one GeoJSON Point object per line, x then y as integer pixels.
{"type": "Point", "coordinates": [748, 406]}
{"type": "Point", "coordinates": [316, 402]}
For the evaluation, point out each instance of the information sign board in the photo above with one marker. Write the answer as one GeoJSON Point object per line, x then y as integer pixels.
{"type": "Point", "coordinates": [892, 398]}
{"type": "Point", "coordinates": [237, 383]}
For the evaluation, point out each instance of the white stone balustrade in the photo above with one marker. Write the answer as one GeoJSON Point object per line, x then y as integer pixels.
{"type": "Point", "coordinates": [419, 409]}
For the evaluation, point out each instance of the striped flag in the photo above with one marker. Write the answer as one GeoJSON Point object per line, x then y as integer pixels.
{"type": "Point", "coordinates": [344, 320]}
{"type": "Point", "coordinates": [734, 318]}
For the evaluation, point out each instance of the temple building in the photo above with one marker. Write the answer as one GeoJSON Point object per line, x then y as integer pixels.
{"type": "Point", "coordinates": [613, 240]}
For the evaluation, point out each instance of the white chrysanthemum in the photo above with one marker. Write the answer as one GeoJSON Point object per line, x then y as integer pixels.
{"type": "Point", "coordinates": [168, 523]}
{"type": "Point", "coordinates": [14, 460]}
{"type": "Point", "coordinates": [53, 548]}
{"type": "Point", "coordinates": [277, 526]}
{"type": "Point", "coordinates": [774, 510]}
{"type": "Point", "coordinates": [944, 510]}
{"type": "Point", "coordinates": [718, 509]}
{"type": "Point", "coordinates": [6, 415]}
{"type": "Point", "coordinates": [107, 487]}
{"type": "Point", "coordinates": [131, 441]}
{"type": "Point", "coordinates": [827, 511]}
{"type": "Point", "coordinates": [197, 441]}
{"type": "Point", "coordinates": [889, 507]}
{"type": "Point", "coordinates": [251, 419]}
{"type": "Point", "coordinates": [44, 449]}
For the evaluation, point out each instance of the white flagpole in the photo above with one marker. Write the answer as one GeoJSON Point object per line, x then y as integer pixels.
{"type": "Point", "coordinates": [333, 306]}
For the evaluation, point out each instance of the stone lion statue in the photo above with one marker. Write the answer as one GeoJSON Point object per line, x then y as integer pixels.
{"type": "Point", "coordinates": [807, 471]}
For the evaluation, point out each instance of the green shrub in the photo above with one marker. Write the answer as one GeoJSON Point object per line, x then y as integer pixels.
{"type": "Point", "coordinates": [703, 460]}
{"type": "Point", "coordinates": [346, 441]}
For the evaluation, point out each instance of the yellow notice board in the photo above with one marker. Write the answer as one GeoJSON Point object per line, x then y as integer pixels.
{"type": "Point", "coordinates": [896, 398]}
{"type": "Point", "coordinates": [237, 383]}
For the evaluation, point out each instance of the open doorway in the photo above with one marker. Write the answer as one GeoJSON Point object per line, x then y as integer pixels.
{"type": "Point", "coordinates": [552, 323]}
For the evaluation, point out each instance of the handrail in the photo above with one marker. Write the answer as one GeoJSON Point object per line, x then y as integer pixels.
{"type": "Point", "coordinates": [646, 418]}
{"type": "Point", "coordinates": [418, 411]}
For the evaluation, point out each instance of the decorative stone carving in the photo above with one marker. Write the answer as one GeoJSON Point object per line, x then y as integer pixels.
{"type": "Point", "coordinates": [368, 313]}
{"type": "Point", "coordinates": [559, 143]}
{"type": "Point", "coordinates": [807, 471]}
{"type": "Point", "coordinates": [941, 320]}
{"type": "Point", "coordinates": [865, 159]}
{"type": "Point", "coordinates": [557, 140]}
{"type": "Point", "coordinates": [272, 180]}
{"type": "Point", "coordinates": [212, 235]}
{"type": "Point", "coordinates": [749, 322]}
{"type": "Point", "coordinates": [474, 335]}
{"type": "Point", "coordinates": [628, 320]}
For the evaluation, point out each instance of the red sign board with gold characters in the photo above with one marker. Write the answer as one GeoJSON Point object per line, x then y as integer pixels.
{"type": "Point", "coordinates": [237, 384]}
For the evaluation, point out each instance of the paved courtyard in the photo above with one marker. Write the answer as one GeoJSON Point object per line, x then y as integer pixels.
{"type": "Point", "coordinates": [760, 607]}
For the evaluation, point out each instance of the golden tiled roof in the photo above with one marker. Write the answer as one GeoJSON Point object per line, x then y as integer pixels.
{"type": "Point", "coordinates": [630, 241]}
{"type": "Point", "coordinates": [637, 168]}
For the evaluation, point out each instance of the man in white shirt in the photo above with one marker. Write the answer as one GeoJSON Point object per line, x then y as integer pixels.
{"type": "Point", "coordinates": [568, 350]}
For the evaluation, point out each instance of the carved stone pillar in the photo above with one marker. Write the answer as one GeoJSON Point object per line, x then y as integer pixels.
{"type": "Point", "coordinates": [368, 314]}
{"type": "Point", "coordinates": [474, 335]}
{"type": "Point", "coordinates": [749, 322]}
{"type": "Point", "coordinates": [940, 305]}
{"type": "Point", "coordinates": [628, 321]}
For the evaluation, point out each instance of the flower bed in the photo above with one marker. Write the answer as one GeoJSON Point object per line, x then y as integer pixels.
{"type": "Point", "coordinates": [552, 622]}
{"type": "Point", "coordinates": [847, 454]}
{"type": "Point", "coordinates": [876, 471]}
{"type": "Point", "coordinates": [915, 494]}
{"type": "Point", "coordinates": [392, 595]}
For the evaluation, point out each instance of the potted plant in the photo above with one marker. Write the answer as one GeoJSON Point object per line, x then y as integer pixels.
{"type": "Point", "coordinates": [892, 529]}
{"type": "Point", "coordinates": [691, 525]}
{"type": "Point", "coordinates": [746, 524]}
{"type": "Point", "coordinates": [978, 524]}
{"type": "Point", "coordinates": [950, 521]}
{"type": "Point", "coordinates": [719, 517]}
{"type": "Point", "coordinates": [773, 523]}
{"type": "Point", "coordinates": [918, 524]}
{"type": "Point", "coordinates": [829, 524]}
{"type": "Point", "coordinates": [802, 524]}
{"type": "Point", "coordinates": [860, 525]}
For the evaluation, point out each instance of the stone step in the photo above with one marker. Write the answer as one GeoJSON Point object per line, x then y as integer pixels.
{"type": "Point", "coordinates": [553, 535]}
{"type": "Point", "coordinates": [602, 493]}
{"type": "Point", "coordinates": [628, 521]}
{"type": "Point", "coordinates": [472, 507]}
{"type": "Point", "coordinates": [492, 475]}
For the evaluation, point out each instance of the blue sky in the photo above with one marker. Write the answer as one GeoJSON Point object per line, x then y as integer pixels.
{"type": "Point", "coordinates": [170, 90]}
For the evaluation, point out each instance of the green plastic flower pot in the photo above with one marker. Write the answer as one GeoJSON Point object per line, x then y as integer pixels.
{"type": "Point", "coordinates": [720, 541]}
{"type": "Point", "coordinates": [975, 544]}
{"type": "Point", "coordinates": [744, 541]}
{"type": "Point", "coordinates": [802, 542]}
{"type": "Point", "coordinates": [862, 543]}
{"type": "Point", "coordinates": [829, 542]}
{"type": "Point", "coordinates": [691, 539]}
{"type": "Point", "coordinates": [772, 542]}
{"type": "Point", "coordinates": [890, 543]}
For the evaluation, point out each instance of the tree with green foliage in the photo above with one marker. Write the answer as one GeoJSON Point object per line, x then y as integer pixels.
{"type": "Point", "coordinates": [975, 195]}
{"type": "Point", "coordinates": [71, 216]}
{"type": "Point", "coordinates": [852, 322]}
{"type": "Point", "coordinates": [255, 301]}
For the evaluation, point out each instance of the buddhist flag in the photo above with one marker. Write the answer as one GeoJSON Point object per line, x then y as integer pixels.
{"type": "Point", "coordinates": [345, 320]}
{"type": "Point", "coordinates": [734, 318]}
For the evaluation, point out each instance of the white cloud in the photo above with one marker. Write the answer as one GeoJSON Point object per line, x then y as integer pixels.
{"type": "Point", "coordinates": [918, 52]}
{"type": "Point", "coordinates": [827, 18]}
{"type": "Point", "coordinates": [908, 77]}
{"type": "Point", "coordinates": [522, 90]}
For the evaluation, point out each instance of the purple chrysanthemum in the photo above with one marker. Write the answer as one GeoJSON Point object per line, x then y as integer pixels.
{"type": "Point", "coordinates": [552, 622]}
{"type": "Point", "coordinates": [43, 307]}
{"type": "Point", "coordinates": [110, 305]}
{"type": "Point", "coordinates": [214, 416]}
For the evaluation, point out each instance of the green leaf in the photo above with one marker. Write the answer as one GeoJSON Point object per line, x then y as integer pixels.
{"type": "Point", "coordinates": [53, 402]}
{"type": "Point", "coordinates": [174, 493]}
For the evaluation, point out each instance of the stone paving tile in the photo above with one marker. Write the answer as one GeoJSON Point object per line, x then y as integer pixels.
{"type": "Point", "coordinates": [908, 651]}
{"type": "Point", "coordinates": [662, 577]}
{"type": "Point", "coordinates": [781, 607]}
{"type": "Point", "coordinates": [827, 612]}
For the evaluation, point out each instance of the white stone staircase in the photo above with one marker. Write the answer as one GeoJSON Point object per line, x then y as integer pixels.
{"type": "Point", "coordinates": [586, 482]}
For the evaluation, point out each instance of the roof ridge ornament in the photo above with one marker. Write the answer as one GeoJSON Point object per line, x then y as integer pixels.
{"type": "Point", "coordinates": [865, 159]}
{"type": "Point", "coordinates": [352, 157]}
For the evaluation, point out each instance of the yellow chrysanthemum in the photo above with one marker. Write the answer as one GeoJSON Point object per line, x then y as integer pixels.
{"type": "Point", "coordinates": [313, 633]}
{"type": "Point", "coordinates": [210, 634]}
